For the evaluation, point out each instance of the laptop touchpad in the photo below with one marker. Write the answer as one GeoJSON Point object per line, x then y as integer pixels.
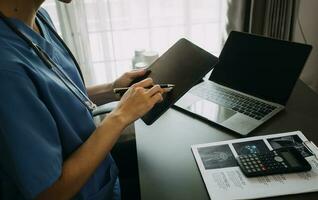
{"type": "Point", "coordinates": [211, 111]}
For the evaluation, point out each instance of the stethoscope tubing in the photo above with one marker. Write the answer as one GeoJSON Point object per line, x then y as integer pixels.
{"type": "Point", "coordinates": [40, 16]}
{"type": "Point", "coordinates": [51, 64]}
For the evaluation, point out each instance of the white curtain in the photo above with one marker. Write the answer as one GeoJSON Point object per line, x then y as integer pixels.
{"type": "Point", "coordinates": [103, 34]}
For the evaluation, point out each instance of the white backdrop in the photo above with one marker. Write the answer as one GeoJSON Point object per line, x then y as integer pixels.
{"type": "Point", "coordinates": [103, 34]}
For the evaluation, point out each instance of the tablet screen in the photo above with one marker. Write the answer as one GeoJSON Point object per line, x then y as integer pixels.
{"type": "Point", "coordinates": [183, 65]}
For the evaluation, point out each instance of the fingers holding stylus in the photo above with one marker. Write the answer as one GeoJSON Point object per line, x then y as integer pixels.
{"type": "Point", "coordinates": [156, 98]}
{"type": "Point", "coordinates": [148, 82]}
{"type": "Point", "coordinates": [154, 90]}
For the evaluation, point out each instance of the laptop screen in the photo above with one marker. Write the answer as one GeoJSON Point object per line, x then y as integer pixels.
{"type": "Point", "coordinates": [263, 67]}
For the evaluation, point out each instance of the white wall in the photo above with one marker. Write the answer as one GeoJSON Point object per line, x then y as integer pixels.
{"type": "Point", "coordinates": [308, 20]}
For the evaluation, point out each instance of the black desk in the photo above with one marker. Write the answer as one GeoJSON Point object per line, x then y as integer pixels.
{"type": "Point", "coordinates": [167, 169]}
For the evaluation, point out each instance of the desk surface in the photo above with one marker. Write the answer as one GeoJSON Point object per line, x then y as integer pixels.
{"type": "Point", "coordinates": [167, 169]}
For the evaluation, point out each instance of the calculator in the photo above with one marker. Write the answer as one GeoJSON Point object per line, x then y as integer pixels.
{"type": "Point", "coordinates": [278, 161]}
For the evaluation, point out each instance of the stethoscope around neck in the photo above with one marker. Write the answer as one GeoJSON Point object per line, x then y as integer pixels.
{"type": "Point", "coordinates": [81, 96]}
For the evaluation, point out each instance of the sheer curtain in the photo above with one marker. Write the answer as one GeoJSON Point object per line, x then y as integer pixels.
{"type": "Point", "coordinates": [103, 34]}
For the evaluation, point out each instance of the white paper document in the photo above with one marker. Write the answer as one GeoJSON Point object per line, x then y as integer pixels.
{"type": "Point", "coordinates": [224, 179]}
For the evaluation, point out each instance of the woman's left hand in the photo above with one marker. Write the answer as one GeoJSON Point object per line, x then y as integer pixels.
{"type": "Point", "coordinates": [126, 79]}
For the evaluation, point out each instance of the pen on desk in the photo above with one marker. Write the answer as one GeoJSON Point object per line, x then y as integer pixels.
{"type": "Point", "coordinates": [121, 91]}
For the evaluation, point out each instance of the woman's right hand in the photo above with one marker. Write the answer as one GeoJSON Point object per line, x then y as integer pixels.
{"type": "Point", "coordinates": [137, 101]}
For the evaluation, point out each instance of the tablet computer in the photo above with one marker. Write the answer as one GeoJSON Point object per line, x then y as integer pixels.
{"type": "Point", "coordinates": [183, 65]}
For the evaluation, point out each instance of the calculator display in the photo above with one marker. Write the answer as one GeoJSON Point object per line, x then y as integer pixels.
{"type": "Point", "coordinates": [290, 159]}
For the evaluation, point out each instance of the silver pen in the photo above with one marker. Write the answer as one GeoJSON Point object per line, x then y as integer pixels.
{"type": "Point", "coordinates": [121, 91]}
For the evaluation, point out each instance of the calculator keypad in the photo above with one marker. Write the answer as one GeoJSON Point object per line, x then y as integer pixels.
{"type": "Point", "coordinates": [266, 163]}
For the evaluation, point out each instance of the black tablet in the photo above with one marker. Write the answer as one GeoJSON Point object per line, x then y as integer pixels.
{"type": "Point", "coordinates": [183, 65]}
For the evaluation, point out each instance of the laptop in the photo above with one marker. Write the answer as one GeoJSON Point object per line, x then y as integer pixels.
{"type": "Point", "coordinates": [250, 84]}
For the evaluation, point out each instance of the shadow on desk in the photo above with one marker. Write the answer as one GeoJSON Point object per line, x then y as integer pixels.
{"type": "Point", "coordinates": [125, 155]}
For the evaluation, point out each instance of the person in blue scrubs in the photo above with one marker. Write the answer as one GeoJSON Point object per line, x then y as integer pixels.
{"type": "Point", "coordinates": [49, 145]}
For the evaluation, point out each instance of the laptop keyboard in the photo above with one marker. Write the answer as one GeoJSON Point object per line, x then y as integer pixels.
{"type": "Point", "coordinates": [235, 101]}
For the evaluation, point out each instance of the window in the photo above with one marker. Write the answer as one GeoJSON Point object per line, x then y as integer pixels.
{"type": "Point", "coordinates": [115, 28]}
{"type": "Point", "coordinates": [50, 7]}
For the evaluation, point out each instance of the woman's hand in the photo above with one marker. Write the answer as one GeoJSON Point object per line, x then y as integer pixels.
{"type": "Point", "coordinates": [126, 79]}
{"type": "Point", "coordinates": [101, 94]}
{"type": "Point", "coordinates": [137, 101]}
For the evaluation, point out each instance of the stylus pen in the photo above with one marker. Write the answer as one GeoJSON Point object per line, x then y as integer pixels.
{"type": "Point", "coordinates": [121, 91]}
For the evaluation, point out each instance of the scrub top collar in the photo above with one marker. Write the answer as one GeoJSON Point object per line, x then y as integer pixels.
{"type": "Point", "coordinates": [45, 41]}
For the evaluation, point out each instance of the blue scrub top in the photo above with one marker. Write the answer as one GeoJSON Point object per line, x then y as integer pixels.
{"type": "Point", "coordinates": [41, 121]}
